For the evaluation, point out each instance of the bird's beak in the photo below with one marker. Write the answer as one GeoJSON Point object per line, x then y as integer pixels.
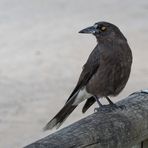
{"type": "Point", "coordinates": [88, 30]}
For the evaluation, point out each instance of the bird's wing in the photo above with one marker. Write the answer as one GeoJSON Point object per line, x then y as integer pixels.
{"type": "Point", "coordinates": [89, 69]}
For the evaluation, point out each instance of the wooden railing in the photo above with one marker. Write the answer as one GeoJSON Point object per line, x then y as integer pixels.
{"type": "Point", "coordinates": [109, 127]}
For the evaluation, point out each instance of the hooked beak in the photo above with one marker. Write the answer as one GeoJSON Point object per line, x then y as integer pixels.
{"type": "Point", "coordinates": [89, 30]}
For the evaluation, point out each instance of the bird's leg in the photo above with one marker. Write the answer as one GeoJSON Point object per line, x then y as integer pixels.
{"type": "Point", "coordinates": [100, 105]}
{"type": "Point", "coordinates": [113, 104]}
{"type": "Point", "coordinates": [104, 108]}
{"type": "Point", "coordinates": [110, 102]}
{"type": "Point", "coordinates": [97, 100]}
{"type": "Point", "coordinates": [107, 108]}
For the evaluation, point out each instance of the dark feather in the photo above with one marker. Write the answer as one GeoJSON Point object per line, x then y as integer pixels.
{"type": "Point", "coordinates": [61, 116]}
{"type": "Point", "coordinates": [89, 69]}
{"type": "Point", "coordinates": [89, 102]}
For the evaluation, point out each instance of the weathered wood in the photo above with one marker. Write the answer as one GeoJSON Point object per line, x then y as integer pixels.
{"type": "Point", "coordinates": [107, 128]}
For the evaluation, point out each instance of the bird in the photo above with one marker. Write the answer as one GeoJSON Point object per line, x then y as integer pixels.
{"type": "Point", "coordinates": [104, 74]}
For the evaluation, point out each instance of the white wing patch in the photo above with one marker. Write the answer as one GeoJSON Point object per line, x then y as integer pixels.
{"type": "Point", "coordinates": [82, 95]}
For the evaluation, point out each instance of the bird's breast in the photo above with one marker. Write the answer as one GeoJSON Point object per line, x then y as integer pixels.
{"type": "Point", "coordinates": [111, 76]}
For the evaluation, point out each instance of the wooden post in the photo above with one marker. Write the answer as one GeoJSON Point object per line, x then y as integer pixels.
{"type": "Point", "coordinates": [110, 127]}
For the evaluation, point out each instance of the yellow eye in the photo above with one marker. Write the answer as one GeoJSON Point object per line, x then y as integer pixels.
{"type": "Point", "coordinates": [103, 28]}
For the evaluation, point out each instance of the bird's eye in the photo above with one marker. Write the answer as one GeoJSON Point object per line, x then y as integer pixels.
{"type": "Point", "coordinates": [103, 28]}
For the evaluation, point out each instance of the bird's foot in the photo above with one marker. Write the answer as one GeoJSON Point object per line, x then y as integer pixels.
{"type": "Point", "coordinates": [105, 108]}
{"type": "Point", "coordinates": [102, 108]}
{"type": "Point", "coordinates": [109, 108]}
{"type": "Point", "coordinates": [122, 107]}
{"type": "Point", "coordinates": [118, 106]}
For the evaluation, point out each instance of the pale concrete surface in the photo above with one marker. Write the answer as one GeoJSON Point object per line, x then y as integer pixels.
{"type": "Point", "coordinates": [41, 55]}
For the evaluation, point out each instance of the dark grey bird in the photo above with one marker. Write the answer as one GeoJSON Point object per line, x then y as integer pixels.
{"type": "Point", "coordinates": [105, 73]}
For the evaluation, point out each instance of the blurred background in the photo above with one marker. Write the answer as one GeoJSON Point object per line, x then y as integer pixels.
{"type": "Point", "coordinates": [42, 54]}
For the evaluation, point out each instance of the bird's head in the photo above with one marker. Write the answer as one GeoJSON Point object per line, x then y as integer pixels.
{"type": "Point", "coordinates": [105, 31]}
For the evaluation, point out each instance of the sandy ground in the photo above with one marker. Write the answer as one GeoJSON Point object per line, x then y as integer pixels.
{"type": "Point", "coordinates": [41, 55]}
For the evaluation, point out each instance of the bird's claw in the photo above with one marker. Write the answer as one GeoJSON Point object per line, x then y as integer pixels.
{"type": "Point", "coordinates": [114, 106]}
{"type": "Point", "coordinates": [121, 107]}
{"type": "Point", "coordinates": [109, 108]}
{"type": "Point", "coordinates": [96, 109]}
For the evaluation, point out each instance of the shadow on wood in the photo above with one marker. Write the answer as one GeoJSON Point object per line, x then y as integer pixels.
{"type": "Point", "coordinates": [107, 128]}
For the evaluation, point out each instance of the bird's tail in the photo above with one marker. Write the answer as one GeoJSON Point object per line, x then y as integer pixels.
{"type": "Point", "coordinates": [61, 116]}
